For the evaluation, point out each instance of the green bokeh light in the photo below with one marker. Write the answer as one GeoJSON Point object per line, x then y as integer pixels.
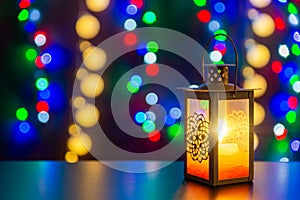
{"type": "Point", "coordinates": [220, 31]}
{"type": "Point", "coordinates": [291, 117]}
{"type": "Point", "coordinates": [283, 146]}
{"type": "Point", "coordinates": [31, 54]}
{"type": "Point", "coordinates": [22, 114]}
{"type": "Point", "coordinates": [292, 9]}
{"type": "Point", "coordinates": [200, 2]}
{"type": "Point", "coordinates": [23, 15]}
{"type": "Point", "coordinates": [294, 79]}
{"type": "Point", "coordinates": [174, 130]}
{"type": "Point", "coordinates": [148, 126]}
{"type": "Point", "coordinates": [152, 46]}
{"type": "Point", "coordinates": [41, 84]}
{"type": "Point", "coordinates": [149, 17]}
{"type": "Point", "coordinates": [295, 49]}
{"type": "Point", "coordinates": [133, 87]}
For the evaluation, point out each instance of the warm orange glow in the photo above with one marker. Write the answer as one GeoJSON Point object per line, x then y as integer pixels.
{"type": "Point", "coordinates": [195, 168]}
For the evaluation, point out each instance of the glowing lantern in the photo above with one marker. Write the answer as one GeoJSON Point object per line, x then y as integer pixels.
{"type": "Point", "coordinates": [219, 128]}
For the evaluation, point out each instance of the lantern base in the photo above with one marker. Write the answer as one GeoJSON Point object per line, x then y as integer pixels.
{"type": "Point", "coordinates": [218, 183]}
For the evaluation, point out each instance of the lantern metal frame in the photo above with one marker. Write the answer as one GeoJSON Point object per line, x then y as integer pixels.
{"type": "Point", "coordinates": [212, 94]}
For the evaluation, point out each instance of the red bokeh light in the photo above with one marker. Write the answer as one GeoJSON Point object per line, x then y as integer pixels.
{"type": "Point", "coordinates": [293, 102]}
{"type": "Point", "coordinates": [283, 136]}
{"type": "Point", "coordinates": [152, 69]}
{"type": "Point", "coordinates": [279, 24]}
{"type": "Point", "coordinates": [154, 136]}
{"type": "Point", "coordinates": [276, 66]}
{"type": "Point", "coordinates": [130, 39]}
{"type": "Point", "coordinates": [38, 62]}
{"type": "Point", "coordinates": [138, 3]}
{"type": "Point", "coordinates": [24, 4]}
{"type": "Point", "coordinates": [42, 106]}
{"type": "Point", "coordinates": [204, 16]}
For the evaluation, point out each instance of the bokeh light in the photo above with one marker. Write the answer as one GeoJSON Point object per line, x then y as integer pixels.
{"type": "Point", "coordinates": [71, 157]}
{"type": "Point", "coordinates": [138, 3]}
{"type": "Point", "coordinates": [293, 20]}
{"type": "Point", "coordinates": [94, 58]}
{"type": "Point", "coordinates": [42, 106]}
{"type": "Point", "coordinates": [154, 136]}
{"type": "Point", "coordinates": [279, 23]}
{"type": "Point", "coordinates": [22, 114]}
{"type": "Point", "coordinates": [291, 116]}
{"type": "Point", "coordinates": [257, 81]}
{"type": "Point", "coordinates": [151, 98]}
{"type": "Point", "coordinates": [280, 131]}
{"type": "Point", "coordinates": [41, 83]}
{"type": "Point", "coordinates": [92, 85]}
{"type": "Point", "coordinates": [169, 120]}
{"type": "Point", "coordinates": [43, 117]}
{"type": "Point", "coordinates": [129, 24]}
{"type": "Point", "coordinates": [87, 116]}
{"type": "Point", "coordinates": [175, 113]}
{"type": "Point", "coordinates": [148, 126]}
{"type": "Point", "coordinates": [283, 50]}
{"type": "Point", "coordinates": [200, 3]}
{"type": "Point", "coordinates": [219, 7]}
{"type": "Point", "coordinates": [79, 102]}
{"type": "Point", "coordinates": [140, 117]}
{"type": "Point", "coordinates": [152, 46]}
{"type": "Point", "coordinates": [74, 129]}
{"type": "Point", "coordinates": [34, 15]}
{"type": "Point", "coordinates": [296, 86]}
{"type": "Point", "coordinates": [81, 144]}
{"type": "Point", "coordinates": [150, 58]}
{"type": "Point", "coordinates": [296, 36]}
{"type": "Point", "coordinates": [46, 58]}
{"type": "Point", "coordinates": [295, 144]}
{"type": "Point", "coordinates": [213, 25]}
{"type": "Point", "coordinates": [263, 26]}
{"type": "Point", "coordinates": [131, 9]}
{"type": "Point", "coordinates": [174, 130]}
{"type": "Point", "coordinates": [204, 16]}
{"type": "Point", "coordinates": [260, 3]}
{"type": "Point", "coordinates": [130, 39]}
{"type": "Point", "coordinates": [276, 66]}
{"type": "Point", "coordinates": [40, 38]}
{"type": "Point", "coordinates": [23, 15]}
{"type": "Point", "coordinates": [150, 116]}
{"type": "Point", "coordinates": [258, 56]}
{"type": "Point", "coordinates": [215, 56]}
{"type": "Point", "coordinates": [149, 17]}
{"type": "Point", "coordinates": [248, 72]}
{"type": "Point", "coordinates": [259, 114]}
{"type": "Point", "coordinates": [152, 70]}
{"type": "Point", "coordinates": [97, 5]}
{"type": "Point", "coordinates": [87, 26]}
{"type": "Point", "coordinates": [24, 127]}
{"type": "Point", "coordinates": [31, 54]}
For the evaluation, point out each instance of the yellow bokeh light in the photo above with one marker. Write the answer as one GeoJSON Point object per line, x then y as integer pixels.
{"type": "Point", "coordinates": [87, 26]}
{"type": "Point", "coordinates": [255, 82]}
{"type": "Point", "coordinates": [94, 58]}
{"type": "Point", "coordinates": [256, 141]}
{"type": "Point", "coordinates": [80, 145]}
{"type": "Point", "coordinates": [260, 3]}
{"type": "Point", "coordinates": [83, 45]}
{"type": "Point", "coordinates": [87, 116]}
{"type": "Point", "coordinates": [92, 85]}
{"type": "Point", "coordinates": [263, 25]}
{"type": "Point", "coordinates": [74, 129]}
{"type": "Point", "coordinates": [81, 73]}
{"type": "Point", "coordinates": [79, 102]}
{"type": "Point", "coordinates": [97, 5]}
{"type": "Point", "coordinates": [258, 56]}
{"type": "Point", "coordinates": [71, 157]}
{"type": "Point", "coordinates": [259, 114]}
{"type": "Point", "coordinates": [248, 72]}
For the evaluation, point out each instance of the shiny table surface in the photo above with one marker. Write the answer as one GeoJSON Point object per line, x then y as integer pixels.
{"type": "Point", "coordinates": [92, 180]}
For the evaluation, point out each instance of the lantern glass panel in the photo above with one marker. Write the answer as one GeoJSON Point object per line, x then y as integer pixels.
{"type": "Point", "coordinates": [197, 138]}
{"type": "Point", "coordinates": [233, 139]}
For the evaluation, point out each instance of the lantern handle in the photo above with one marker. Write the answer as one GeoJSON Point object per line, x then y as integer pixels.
{"type": "Point", "coordinates": [236, 56]}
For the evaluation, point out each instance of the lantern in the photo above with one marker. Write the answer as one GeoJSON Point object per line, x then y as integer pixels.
{"type": "Point", "coordinates": [219, 127]}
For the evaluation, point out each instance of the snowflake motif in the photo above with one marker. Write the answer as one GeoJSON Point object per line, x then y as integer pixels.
{"type": "Point", "coordinates": [197, 137]}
